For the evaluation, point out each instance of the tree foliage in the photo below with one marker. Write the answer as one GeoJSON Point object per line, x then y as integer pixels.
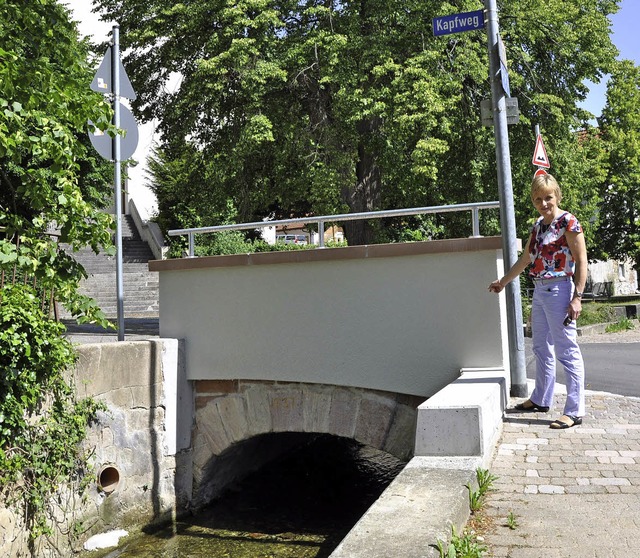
{"type": "Point", "coordinates": [619, 230]}
{"type": "Point", "coordinates": [323, 106]}
{"type": "Point", "coordinates": [49, 181]}
{"type": "Point", "coordinates": [49, 177]}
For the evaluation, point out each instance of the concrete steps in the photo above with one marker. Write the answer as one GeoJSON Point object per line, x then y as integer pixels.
{"type": "Point", "coordinates": [140, 286]}
{"type": "Point", "coordinates": [140, 292]}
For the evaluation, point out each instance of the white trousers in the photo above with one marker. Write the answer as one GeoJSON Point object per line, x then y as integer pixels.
{"type": "Point", "coordinates": [551, 340]}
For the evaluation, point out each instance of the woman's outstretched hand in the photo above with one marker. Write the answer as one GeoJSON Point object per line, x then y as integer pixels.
{"type": "Point", "coordinates": [496, 286]}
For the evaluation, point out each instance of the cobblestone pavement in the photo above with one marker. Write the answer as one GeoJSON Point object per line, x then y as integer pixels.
{"type": "Point", "coordinates": [572, 493]}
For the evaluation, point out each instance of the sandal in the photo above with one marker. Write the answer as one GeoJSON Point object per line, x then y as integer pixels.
{"type": "Point", "coordinates": [559, 423]}
{"type": "Point", "coordinates": [529, 405]}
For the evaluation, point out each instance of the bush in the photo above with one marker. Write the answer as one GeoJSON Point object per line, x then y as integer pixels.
{"type": "Point", "coordinates": [235, 242]}
{"type": "Point", "coordinates": [41, 423]}
{"type": "Point", "coordinates": [597, 313]}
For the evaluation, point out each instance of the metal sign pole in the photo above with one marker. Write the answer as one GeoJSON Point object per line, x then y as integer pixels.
{"type": "Point", "coordinates": [507, 215]}
{"type": "Point", "coordinates": [111, 79]}
{"type": "Point", "coordinates": [117, 179]}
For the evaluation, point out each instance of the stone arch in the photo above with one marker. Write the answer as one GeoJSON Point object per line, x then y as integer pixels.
{"type": "Point", "coordinates": [231, 412]}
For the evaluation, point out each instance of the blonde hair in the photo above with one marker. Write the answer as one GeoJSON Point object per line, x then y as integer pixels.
{"type": "Point", "coordinates": [545, 182]}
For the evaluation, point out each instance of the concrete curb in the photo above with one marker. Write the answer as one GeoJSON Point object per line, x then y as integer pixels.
{"type": "Point", "coordinates": [416, 511]}
{"type": "Point", "coordinates": [593, 329]}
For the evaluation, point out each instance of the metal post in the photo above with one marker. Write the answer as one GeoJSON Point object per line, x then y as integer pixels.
{"type": "Point", "coordinates": [507, 214]}
{"type": "Point", "coordinates": [475, 222]}
{"type": "Point", "coordinates": [192, 245]}
{"type": "Point", "coordinates": [115, 69]}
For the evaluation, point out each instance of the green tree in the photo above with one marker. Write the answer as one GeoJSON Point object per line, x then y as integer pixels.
{"type": "Point", "coordinates": [552, 48]}
{"type": "Point", "coordinates": [321, 106]}
{"type": "Point", "coordinates": [619, 230]}
{"type": "Point", "coordinates": [186, 199]}
{"type": "Point", "coordinates": [49, 180]}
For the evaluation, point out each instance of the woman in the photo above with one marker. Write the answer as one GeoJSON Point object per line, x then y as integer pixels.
{"type": "Point", "coordinates": [557, 256]}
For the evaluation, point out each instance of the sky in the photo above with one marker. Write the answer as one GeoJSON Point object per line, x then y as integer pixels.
{"type": "Point", "coordinates": [624, 36]}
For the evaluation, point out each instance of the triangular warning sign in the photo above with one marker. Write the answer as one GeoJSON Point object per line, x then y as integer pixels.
{"type": "Point", "coordinates": [540, 158]}
{"type": "Point", "coordinates": [102, 82]}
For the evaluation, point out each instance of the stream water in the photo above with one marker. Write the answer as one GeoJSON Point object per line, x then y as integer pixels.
{"type": "Point", "coordinates": [300, 505]}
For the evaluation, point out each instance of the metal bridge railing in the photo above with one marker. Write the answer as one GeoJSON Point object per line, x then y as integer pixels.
{"type": "Point", "coordinates": [321, 220]}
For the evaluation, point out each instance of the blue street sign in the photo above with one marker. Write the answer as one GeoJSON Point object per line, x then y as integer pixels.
{"type": "Point", "coordinates": [504, 72]}
{"type": "Point", "coordinates": [457, 23]}
{"type": "Point", "coordinates": [504, 79]}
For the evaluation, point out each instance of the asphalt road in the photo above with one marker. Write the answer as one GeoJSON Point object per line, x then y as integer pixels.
{"type": "Point", "coordinates": [610, 367]}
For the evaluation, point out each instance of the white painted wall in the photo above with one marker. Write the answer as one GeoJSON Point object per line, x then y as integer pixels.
{"type": "Point", "coordinates": [405, 322]}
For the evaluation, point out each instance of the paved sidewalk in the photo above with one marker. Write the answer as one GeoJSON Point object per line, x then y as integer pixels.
{"type": "Point", "coordinates": [135, 329]}
{"type": "Point", "coordinates": [573, 493]}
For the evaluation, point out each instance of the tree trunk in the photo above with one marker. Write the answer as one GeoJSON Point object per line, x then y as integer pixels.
{"type": "Point", "coordinates": [365, 196]}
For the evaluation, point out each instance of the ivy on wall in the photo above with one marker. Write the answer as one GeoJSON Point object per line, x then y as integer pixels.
{"type": "Point", "coordinates": [41, 421]}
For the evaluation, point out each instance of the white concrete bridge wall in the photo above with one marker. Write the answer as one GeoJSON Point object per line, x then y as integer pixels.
{"type": "Point", "coordinates": [403, 318]}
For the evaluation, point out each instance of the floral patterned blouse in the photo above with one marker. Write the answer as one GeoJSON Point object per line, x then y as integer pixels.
{"type": "Point", "coordinates": [548, 248]}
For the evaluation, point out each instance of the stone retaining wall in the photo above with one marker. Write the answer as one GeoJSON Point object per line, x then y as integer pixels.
{"type": "Point", "coordinates": [137, 437]}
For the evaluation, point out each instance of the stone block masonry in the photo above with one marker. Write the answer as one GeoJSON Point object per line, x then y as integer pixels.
{"type": "Point", "coordinates": [140, 437]}
{"type": "Point", "coordinates": [144, 433]}
{"type": "Point", "coordinates": [230, 412]}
